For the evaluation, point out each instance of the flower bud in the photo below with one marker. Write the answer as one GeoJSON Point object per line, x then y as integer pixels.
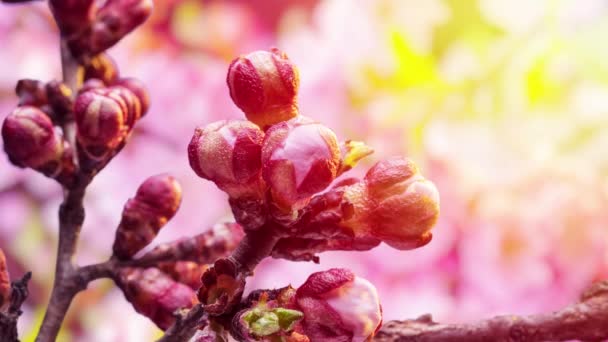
{"type": "Point", "coordinates": [72, 16]}
{"type": "Point", "coordinates": [128, 101]}
{"type": "Point", "coordinates": [156, 201]}
{"type": "Point", "coordinates": [228, 154]}
{"type": "Point", "coordinates": [30, 140]}
{"type": "Point", "coordinates": [154, 294]}
{"type": "Point", "coordinates": [185, 272]}
{"type": "Point", "coordinates": [222, 287]}
{"type": "Point", "coordinates": [31, 93]}
{"type": "Point", "coordinates": [338, 306]}
{"type": "Point", "coordinates": [101, 122]}
{"type": "Point", "coordinates": [299, 159]}
{"type": "Point", "coordinates": [264, 85]}
{"type": "Point", "coordinates": [114, 20]}
{"type": "Point", "coordinates": [91, 84]}
{"type": "Point", "coordinates": [60, 99]}
{"type": "Point", "coordinates": [139, 89]}
{"type": "Point", "coordinates": [102, 67]}
{"type": "Point", "coordinates": [395, 204]}
{"type": "Point", "coordinates": [5, 282]}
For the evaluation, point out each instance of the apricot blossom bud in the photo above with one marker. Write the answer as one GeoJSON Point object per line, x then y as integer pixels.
{"type": "Point", "coordinates": [114, 20]}
{"type": "Point", "coordinates": [264, 85]}
{"type": "Point", "coordinates": [299, 158]}
{"type": "Point", "coordinates": [156, 201]}
{"type": "Point", "coordinates": [139, 89]}
{"type": "Point", "coordinates": [5, 282]}
{"type": "Point", "coordinates": [228, 154]}
{"type": "Point", "coordinates": [30, 140]}
{"type": "Point", "coordinates": [154, 294]}
{"type": "Point", "coordinates": [101, 120]}
{"type": "Point", "coordinates": [394, 203]}
{"type": "Point", "coordinates": [72, 16]}
{"type": "Point", "coordinates": [339, 306]}
{"type": "Point", "coordinates": [101, 67]}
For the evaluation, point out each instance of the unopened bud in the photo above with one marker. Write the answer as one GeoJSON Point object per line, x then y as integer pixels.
{"type": "Point", "coordinates": [264, 85]}
{"type": "Point", "coordinates": [339, 306]}
{"type": "Point", "coordinates": [299, 159]}
{"type": "Point", "coordinates": [31, 93]}
{"type": "Point", "coordinates": [101, 122]}
{"type": "Point", "coordinates": [60, 100]}
{"type": "Point", "coordinates": [139, 89]}
{"type": "Point", "coordinates": [72, 16]}
{"type": "Point", "coordinates": [156, 201]}
{"type": "Point", "coordinates": [102, 67]}
{"type": "Point", "coordinates": [155, 295]}
{"type": "Point", "coordinates": [395, 204]}
{"type": "Point", "coordinates": [30, 140]}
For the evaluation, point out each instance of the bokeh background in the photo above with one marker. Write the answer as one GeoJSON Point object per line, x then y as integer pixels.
{"type": "Point", "coordinates": [504, 105]}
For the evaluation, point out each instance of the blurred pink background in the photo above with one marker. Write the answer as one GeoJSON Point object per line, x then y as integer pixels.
{"type": "Point", "coordinates": [503, 104]}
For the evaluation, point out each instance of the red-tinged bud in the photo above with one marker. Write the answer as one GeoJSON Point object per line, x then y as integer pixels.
{"type": "Point", "coordinates": [30, 140]}
{"type": "Point", "coordinates": [154, 294]}
{"type": "Point", "coordinates": [128, 101]}
{"type": "Point", "coordinates": [299, 159]}
{"type": "Point", "coordinates": [139, 89]}
{"type": "Point", "coordinates": [31, 93]}
{"type": "Point", "coordinates": [339, 306]}
{"type": "Point", "coordinates": [222, 287]}
{"type": "Point", "coordinates": [102, 67]}
{"type": "Point", "coordinates": [72, 16]}
{"type": "Point", "coordinates": [185, 272]}
{"type": "Point", "coordinates": [395, 204]}
{"type": "Point", "coordinates": [228, 154]}
{"type": "Point", "coordinates": [5, 281]}
{"type": "Point", "coordinates": [101, 122]}
{"type": "Point", "coordinates": [91, 84]}
{"type": "Point", "coordinates": [155, 203]}
{"type": "Point", "coordinates": [203, 248]}
{"type": "Point", "coordinates": [60, 100]}
{"type": "Point", "coordinates": [114, 20]}
{"type": "Point", "coordinates": [264, 85]}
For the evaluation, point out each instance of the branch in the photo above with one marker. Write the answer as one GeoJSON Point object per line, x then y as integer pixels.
{"type": "Point", "coordinates": [251, 250]}
{"type": "Point", "coordinates": [586, 320]}
{"type": "Point", "coordinates": [71, 216]}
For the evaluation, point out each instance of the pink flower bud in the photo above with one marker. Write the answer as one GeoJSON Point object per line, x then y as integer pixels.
{"type": "Point", "coordinates": [299, 159]}
{"type": "Point", "coordinates": [228, 154]}
{"type": "Point", "coordinates": [31, 93]}
{"type": "Point", "coordinates": [338, 306]}
{"type": "Point", "coordinates": [395, 204]}
{"type": "Point", "coordinates": [102, 67]}
{"type": "Point", "coordinates": [114, 20]}
{"type": "Point", "coordinates": [5, 281]}
{"type": "Point", "coordinates": [264, 85]}
{"type": "Point", "coordinates": [72, 16]}
{"type": "Point", "coordinates": [155, 203]}
{"type": "Point", "coordinates": [139, 89]}
{"type": "Point", "coordinates": [101, 121]}
{"type": "Point", "coordinates": [30, 140]}
{"type": "Point", "coordinates": [154, 294]}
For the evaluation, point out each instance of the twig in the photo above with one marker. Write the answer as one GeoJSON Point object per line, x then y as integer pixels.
{"type": "Point", "coordinates": [586, 320]}
{"type": "Point", "coordinates": [71, 216]}
{"type": "Point", "coordinates": [251, 250]}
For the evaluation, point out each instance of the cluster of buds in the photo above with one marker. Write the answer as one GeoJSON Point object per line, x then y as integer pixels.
{"type": "Point", "coordinates": [90, 27]}
{"type": "Point", "coordinates": [105, 116]}
{"type": "Point", "coordinates": [156, 201]}
{"type": "Point", "coordinates": [273, 165]}
{"type": "Point", "coordinates": [333, 305]}
{"type": "Point", "coordinates": [5, 282]}
{"type": "Point", "coordinates": [155, 294]}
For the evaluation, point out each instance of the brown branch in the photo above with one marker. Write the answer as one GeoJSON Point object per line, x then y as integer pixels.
{"type": "Point", "coordinates": [251, 250]}
{"type": "Point", "coordinates": [586, 320]}
{"type": "Point", "coordinates": [71, 216]}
